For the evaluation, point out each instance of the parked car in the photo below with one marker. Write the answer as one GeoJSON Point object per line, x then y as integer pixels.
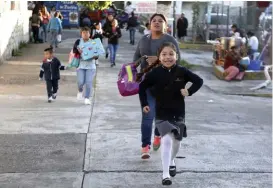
{"type": "Point", "coordinates": [224, 26]}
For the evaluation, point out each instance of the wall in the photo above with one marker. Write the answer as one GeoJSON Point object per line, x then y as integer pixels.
{"type": "Point", "coordinates": [16, 27]}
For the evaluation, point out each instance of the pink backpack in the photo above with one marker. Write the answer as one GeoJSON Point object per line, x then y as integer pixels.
{"type": "Point", "coordinates": [127, 84]}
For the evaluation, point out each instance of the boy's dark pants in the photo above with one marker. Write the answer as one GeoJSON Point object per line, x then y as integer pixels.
{"type": "Point", "coordinates": [51, 84]}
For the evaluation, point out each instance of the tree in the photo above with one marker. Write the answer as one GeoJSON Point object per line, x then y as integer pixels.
{"type": "Point", "coordinates": [93, 5]}
{"type": "Point", "coordinates": [195, 18]}
{"type": "Point", "coordinates": [164, 7]}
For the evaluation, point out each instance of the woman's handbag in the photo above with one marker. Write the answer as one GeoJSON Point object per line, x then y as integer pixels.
{"type": "Point", "coordinates": [127, 84]}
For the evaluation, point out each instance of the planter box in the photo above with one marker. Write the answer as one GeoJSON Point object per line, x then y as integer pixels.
{"type": "Point", "coordinates": [249, 75]}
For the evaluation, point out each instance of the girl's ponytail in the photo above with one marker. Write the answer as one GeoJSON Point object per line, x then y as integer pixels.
{"type": "Point", "coordinates": [147, 69]}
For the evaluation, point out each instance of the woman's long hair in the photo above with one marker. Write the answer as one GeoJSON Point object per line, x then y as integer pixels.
{"type": "Point", "coordinates": [44, 11]}
{"type": "Point", "coordinates": [157, 62]}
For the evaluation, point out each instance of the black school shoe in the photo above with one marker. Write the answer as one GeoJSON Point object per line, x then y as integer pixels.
{"type": "Point", "coordinates": [172, 171]}
{"type": "Point", "coordinates": [166, 181]}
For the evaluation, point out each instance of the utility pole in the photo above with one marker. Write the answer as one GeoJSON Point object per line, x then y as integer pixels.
{"type": "Point", "coordinates": [174, 18]}
{"type": "Point", "coordinates": [208, 20]}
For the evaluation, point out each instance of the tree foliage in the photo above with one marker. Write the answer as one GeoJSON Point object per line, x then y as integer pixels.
{"type": "Point", "coordinates": [95, 5]}
{"type": "Point", "coordinates": [195, 18]}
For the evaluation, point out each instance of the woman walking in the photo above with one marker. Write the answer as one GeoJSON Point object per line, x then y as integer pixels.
{"type": "Point", "coordinates": [149, 45]}
{"type": "Point", "coordinates": [35, 21]}
{"type": "Point", "coordinates": [55, 28]}
{"type": "Point", "coordinates": [45, 21]}
{"type": "Point", "coordinates": [168, 81]}
{"type": "Point", "coordinates": [113, 39]}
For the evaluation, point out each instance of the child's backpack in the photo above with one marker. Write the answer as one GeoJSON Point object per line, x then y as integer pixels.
{"type": "Point", "coordinates": [74, 60]}
{"type": "Point", "coordinates": [127, 84]}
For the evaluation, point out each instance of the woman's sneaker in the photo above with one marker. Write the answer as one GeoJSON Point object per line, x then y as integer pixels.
{"type": "Point", "coordinates": [156, 143]}
{"type": "Point", "coordinates": [87, 101]}
{"type": "Point", "coordinates": [145, 152]}
{"type": "Point", "coordinates": [79, 96]}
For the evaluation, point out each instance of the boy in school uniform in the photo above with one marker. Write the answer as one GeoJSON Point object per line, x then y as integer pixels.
{"type": "Point", "coordinates": [50, 70]}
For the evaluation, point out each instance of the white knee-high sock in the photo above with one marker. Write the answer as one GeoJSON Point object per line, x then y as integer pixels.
{"type": "Point", "coordinates": [166, 153]}
{"type": "Point", "coordinates": [175, 148]}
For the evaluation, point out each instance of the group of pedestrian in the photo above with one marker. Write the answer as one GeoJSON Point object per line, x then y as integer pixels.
{"type": "Point", "coordinates": [42, 22]}
{"type": "Point", "coordinates": [248, 46]}
{"type": "Point", "coordinates": [86, 70]}
{"type": "Point", "coordinates": [161, 92]}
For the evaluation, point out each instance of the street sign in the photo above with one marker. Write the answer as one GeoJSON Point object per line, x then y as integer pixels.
{"type": "Point", "coordinates": [145, 7]}
{"type": "Point", "coordinates": [70, 12]}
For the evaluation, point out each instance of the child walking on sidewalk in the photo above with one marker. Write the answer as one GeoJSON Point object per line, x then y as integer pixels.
{"type": "Point", "coordinates": [167, 83]}
{"type": "Point", "coordinates": [50, 70]}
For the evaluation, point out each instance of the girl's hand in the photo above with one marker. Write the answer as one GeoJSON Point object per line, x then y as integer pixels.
{"type": "Point", "coordinates": [184, 92]}
{"type": "Point", "coordinates": [79, 50]}
{"type": "Point", "coordinates": [146, 109]}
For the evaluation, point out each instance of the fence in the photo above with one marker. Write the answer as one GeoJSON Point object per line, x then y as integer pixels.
{"type": "Point", "coordinates": [250, 18]}
{"type": "Point", "coordinates": [223, 16]}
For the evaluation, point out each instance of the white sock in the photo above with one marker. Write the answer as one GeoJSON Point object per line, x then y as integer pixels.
{"type": "Point", "coordinates": [166, 149]}
{"type": "Point", "coordinates": [175, 148]}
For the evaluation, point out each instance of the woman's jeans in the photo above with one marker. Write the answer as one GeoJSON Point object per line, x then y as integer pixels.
{"type": "Point", "coordinates": [147, 121]}
{"type": "Point", "coordinates": [85, 77]}
{"type": "Point", "coordinates": [54, 34]}
{"type": "Point", "coordinates": [44, 36]}
{"type": "Point", "coordinates": [132, 31]}
{"type": "Point", "coordinates": [113, 51]}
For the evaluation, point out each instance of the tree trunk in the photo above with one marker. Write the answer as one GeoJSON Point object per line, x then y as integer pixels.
{"type": "Point", "coordinates": [164, 7]}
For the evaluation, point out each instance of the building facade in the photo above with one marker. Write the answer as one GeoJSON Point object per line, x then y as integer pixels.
{"type": "Point", "coordinates": [14, 21]}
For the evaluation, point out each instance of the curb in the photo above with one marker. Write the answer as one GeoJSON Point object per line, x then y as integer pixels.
{"type": "Point", "coordinates": [264, 95]}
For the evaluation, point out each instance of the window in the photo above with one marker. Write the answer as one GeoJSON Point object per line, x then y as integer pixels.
{"type": "Point", "coordinates": [12, 5]}
{"type": "Point", "coordinates": [220, 20]}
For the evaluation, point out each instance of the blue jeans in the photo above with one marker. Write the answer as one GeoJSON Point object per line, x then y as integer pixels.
{"type": "Point", "coordinates": [132, 31]}
{"type": "Point", "coordinates": [147, 121]}
{"type": "Point", "coordinates": [54, 34]}
{"type": "Point", "coordinates": [113, 52]}
{"type": "Point", "coordinates": [44, 36]}
{"type": "Point", "coordinates": [251, 53]}
{"type": "Point", "coordinates": [85, 77]}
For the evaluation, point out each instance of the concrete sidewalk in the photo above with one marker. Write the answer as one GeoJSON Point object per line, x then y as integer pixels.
{"type": "Point", "coordinates": [226, 147]}
{"type": "Point", "coordinates": [69, 145]}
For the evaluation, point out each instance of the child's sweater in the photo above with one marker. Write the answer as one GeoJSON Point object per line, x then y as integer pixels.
{"type": "Point", "coordinates": [51, 69]}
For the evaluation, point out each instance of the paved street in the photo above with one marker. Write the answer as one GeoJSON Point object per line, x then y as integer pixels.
{"type": "Point", "coordinates": [69, 145]}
